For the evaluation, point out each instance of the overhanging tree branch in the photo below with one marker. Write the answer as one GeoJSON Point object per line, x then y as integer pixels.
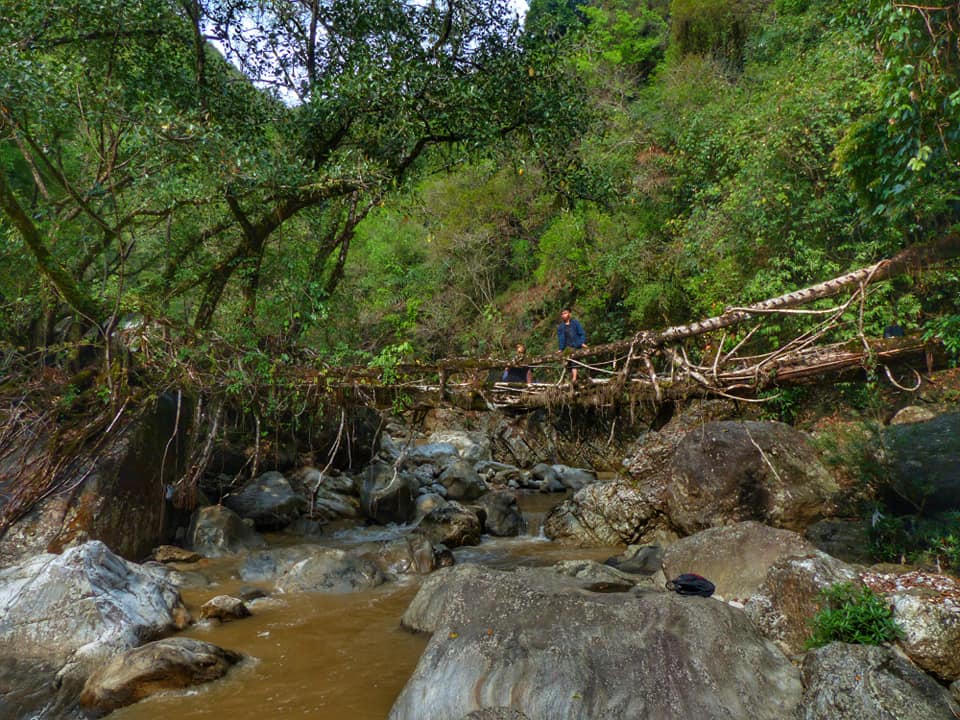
{"type": "Point", "coordinates": [53, 270]}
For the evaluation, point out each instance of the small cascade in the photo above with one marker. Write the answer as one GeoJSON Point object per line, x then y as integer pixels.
{"type": "Point", "coordinates": [535, 508]}
{"type": "Point", "coordinates": [534, 524]}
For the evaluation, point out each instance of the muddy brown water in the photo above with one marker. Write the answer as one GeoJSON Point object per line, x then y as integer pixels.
{"type": "Point", "coordinates": [332, 657]}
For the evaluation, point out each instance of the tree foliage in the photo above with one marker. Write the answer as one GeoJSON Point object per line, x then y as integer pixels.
{"type": "Point", "coordinates": [443, 175]}
{"type": "Point", "coordinates": [143, 171]}
{"type": "Point", "coordinates": [903, 156]}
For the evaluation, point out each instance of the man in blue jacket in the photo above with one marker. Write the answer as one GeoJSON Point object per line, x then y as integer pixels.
{"type": "Point", "coordinates": [570, 334]}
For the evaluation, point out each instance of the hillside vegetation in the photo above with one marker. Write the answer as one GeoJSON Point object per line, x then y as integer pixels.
{"type": "Point", "coordinates": [734, 151]}
{"type": "Point", "coordinates": [425, 179]}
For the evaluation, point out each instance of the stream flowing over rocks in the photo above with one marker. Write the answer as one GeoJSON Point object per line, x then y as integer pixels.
{"type": "Point", "coordinates": [438, 513]}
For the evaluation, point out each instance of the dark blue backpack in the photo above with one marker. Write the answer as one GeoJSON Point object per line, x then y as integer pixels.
{"type": "Point", "coordinates": [691, 584]}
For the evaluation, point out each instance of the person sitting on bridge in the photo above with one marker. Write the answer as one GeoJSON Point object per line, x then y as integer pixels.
{"type": "Point", "coordinates": [570, 334]}
{"type": "Point", "coordinates": [518, 373]}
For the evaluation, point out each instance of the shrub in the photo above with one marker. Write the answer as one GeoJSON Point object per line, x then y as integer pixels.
{"type": "Point", "coordinates": [916, 540]}
{"type": "Point", "coordinates": [852, 615]}
{"type": "Point", "coordinates": [714, 27]}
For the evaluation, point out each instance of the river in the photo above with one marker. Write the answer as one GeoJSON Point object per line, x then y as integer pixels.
{"type": "Point", "coordinates": [334, 657]}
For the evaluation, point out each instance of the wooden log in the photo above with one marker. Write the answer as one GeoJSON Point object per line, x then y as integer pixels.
{"type": "Point", "coordinates": [918, 257]}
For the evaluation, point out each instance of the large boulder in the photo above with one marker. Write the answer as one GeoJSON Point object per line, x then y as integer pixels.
{"type": "Point", "coordinates": [451, 524]}
{"type": "Point", "coordinates": [169, 664]}
{"type": "Point", "coordinates": [631, 509]}
{"type": "Point", "coordinates": [921, 459]}
{"type": "Point", "coordinates": [388, 494]}
{"type": "Point", "coordinates": [862, 682]}
{"type": "Point", "coordinates": [926, 607]}
{"type": "Point", "coordinates": [647, 460]}
{"type": "Point", "coordinates": [268, 500]}
{"type": "Point", "coordinates": [931, 631]}
{"type": "Point", "coordinates": [541, 643]}
{"type": "Point", "coordinates": [735, 558]}
{"type": "Point", "coordinates": [462, 482]}
{"type": "Point", "coordinates": [790, 596]}
{"type": "Point", "coordinates": [116, 497]}
{"type": "Point", "coordinates": [412, 554]}
{"type": "Point", "coordinates": [504, 518]}
{"type": "Point", "coordinates": [216, 531]}
{"type": "Point", "coordinates": [62, 616]}
{"type": "Point", "coordinates": [472, 446]}
{"type": "Point", "coordinates": [610, 513]}
{"type": "Point", "coordinates": [329, 496]}
{"type": "Point", "coordinates": [331, 570]}
{"type": "Point", "coordinates": [726, 472]}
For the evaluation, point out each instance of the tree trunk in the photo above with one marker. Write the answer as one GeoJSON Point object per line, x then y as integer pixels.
{"type": "Point", "coordinates": [53, 270]}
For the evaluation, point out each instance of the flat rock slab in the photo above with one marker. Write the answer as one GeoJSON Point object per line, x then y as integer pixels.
{"type": "Point", "coordinates": [542, 644]}
{"type": "Point", "coordinates": [168, 664]}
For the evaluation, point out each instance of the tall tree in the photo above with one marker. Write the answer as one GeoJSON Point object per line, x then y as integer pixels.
{"type": "Point", "coordinates": [160, 174]}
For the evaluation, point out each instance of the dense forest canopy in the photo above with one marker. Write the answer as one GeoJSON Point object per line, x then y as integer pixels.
{"type": "Point", "coordinates": [382, 178]}
{"type": "Point", "coordinates": [143, 172]}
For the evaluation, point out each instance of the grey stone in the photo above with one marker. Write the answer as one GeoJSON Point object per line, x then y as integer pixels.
{"type": "Point", "coordinates": [727, 472]}
{"type": "Point", "coordinates": [331, 570]}
{"type": "Point", "coordinates": [452, 525]}
{"type": "Point", "coordinates": [224, 608]}
{"type": "Point", "coordinates": [62, 616]}
{"type": "Point", "coordinates": [540, 643]}
{"type": "Point", "coordinates": [735, 558]}
{"type": "Point", "coordinates": [437, 453]}
{"type": "Point", "coordinates": [411, 554]}
{"type": "Point", "coordinates": [790, 595]}
{"type": "Point", "coordinates": [268, 564]}
{"type": "Point", "coordinates": [388, 494]}
{"type": "Point", "coordinates": [462, 481]}
{"type": "Point", "coordinates": [611, 513]}
{"type": "Point", "coordinates": [861, 682]}
{"type": "Point", "coordinates": [931, 631]}
{"type": "Point", "coordinates": [503, 516]}
{"type": "Point", "coordinates": [169, 664]}
{"type": "Point", "coordinates": [268, 500]}
{"type": "Point", "coordinates": [216, 531]}
{"type": "Point", "coordinates": [473, 446]}
{"type": "Point", "coordinates": [427, 502]}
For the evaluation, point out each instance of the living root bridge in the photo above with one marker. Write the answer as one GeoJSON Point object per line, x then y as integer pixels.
{"type": "Point", "coordinates": [46, 450]}
{"type": "Point", "coordinates": [711, 357]}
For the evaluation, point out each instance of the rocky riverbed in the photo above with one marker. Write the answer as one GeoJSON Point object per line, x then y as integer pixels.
{"type": "Point", "coordinates": [429, 532]}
